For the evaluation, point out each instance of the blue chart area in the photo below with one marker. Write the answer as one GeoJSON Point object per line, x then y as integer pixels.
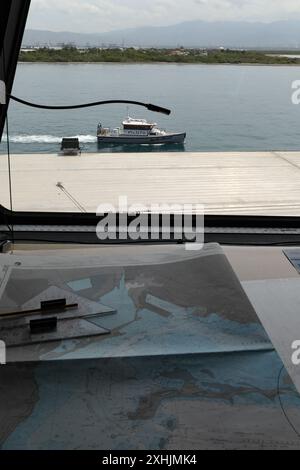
{"type": "Point", "coordinates": [187, 365]}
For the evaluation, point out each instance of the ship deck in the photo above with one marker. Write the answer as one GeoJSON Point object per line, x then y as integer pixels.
{"type": "Point", "coordinates": [261, 183]}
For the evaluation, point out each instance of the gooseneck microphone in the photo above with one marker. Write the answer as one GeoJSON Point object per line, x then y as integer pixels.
{"type": "Point", "coordinates": [151, 107]}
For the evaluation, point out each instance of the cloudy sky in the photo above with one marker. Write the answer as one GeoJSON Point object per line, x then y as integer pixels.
{"type": "Point", "coordinates": [90, 16]}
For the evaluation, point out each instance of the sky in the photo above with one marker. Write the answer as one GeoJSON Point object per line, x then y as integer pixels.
{"type": "Point", "coordinates": [96, 16]}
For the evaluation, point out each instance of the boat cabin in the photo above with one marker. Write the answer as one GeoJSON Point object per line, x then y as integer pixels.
{"type": "Point", "coordinates": [137, 127]}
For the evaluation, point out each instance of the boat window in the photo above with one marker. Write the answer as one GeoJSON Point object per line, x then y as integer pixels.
{"type": "Point", "coordinates": [230, 76]}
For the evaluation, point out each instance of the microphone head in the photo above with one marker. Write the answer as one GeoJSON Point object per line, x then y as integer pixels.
{"type": "Point", "coordinates": [158, 109]}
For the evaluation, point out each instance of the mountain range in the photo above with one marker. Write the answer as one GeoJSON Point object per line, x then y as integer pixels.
{"type": "Point", "coordinates": [280, 34]}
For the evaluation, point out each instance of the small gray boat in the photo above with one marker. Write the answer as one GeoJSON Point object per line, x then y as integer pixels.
{"type": "Point", "coordinates": [138, 131]}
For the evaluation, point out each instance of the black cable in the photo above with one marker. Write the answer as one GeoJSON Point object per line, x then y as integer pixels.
{"type": "Point", "coordinates": [9, 165]}
{"type": "Point", "coordinates": [11, 228]}
{"type": "Point", "coordinates": [149, 106]}
{"type": "Point", "coordinates": [282, 406]}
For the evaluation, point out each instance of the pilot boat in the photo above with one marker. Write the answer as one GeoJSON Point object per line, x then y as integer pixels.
{"type": "Point", "coordinates": [138, 131]}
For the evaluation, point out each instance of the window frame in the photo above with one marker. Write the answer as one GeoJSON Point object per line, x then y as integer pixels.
{"type": "Point", "coordinates": [27, 225]}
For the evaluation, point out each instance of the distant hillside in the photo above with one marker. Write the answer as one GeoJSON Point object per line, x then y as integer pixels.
{"type": "Point", "coordinates": [281, 34]}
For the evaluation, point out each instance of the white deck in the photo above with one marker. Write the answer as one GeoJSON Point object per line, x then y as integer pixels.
{"type": "Point", "coordinates": [234, 182]}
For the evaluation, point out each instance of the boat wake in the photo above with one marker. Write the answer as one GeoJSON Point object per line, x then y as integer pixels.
{"type": "Point", "coordinates": [46, 139]}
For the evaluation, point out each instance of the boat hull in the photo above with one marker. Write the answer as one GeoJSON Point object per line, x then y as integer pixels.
{"type": "Point", "coordinates": [150, 140]}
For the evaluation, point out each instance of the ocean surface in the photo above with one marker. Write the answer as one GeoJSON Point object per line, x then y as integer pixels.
{"type": "Point", "coordinates": [221, 108]}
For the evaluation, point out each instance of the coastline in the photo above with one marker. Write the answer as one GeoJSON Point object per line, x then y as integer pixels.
{"type": "Point", "coordinates": [249, 64]}
{"type": "Point", "coordinates": [72, 55]}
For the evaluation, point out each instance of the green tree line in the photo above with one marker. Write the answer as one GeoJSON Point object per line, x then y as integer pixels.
{"type": "Point", "coordinates": [132, 55]}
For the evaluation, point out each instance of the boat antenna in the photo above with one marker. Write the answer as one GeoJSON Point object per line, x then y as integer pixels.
{"type": "Point", "coordinates": [127, 112]}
